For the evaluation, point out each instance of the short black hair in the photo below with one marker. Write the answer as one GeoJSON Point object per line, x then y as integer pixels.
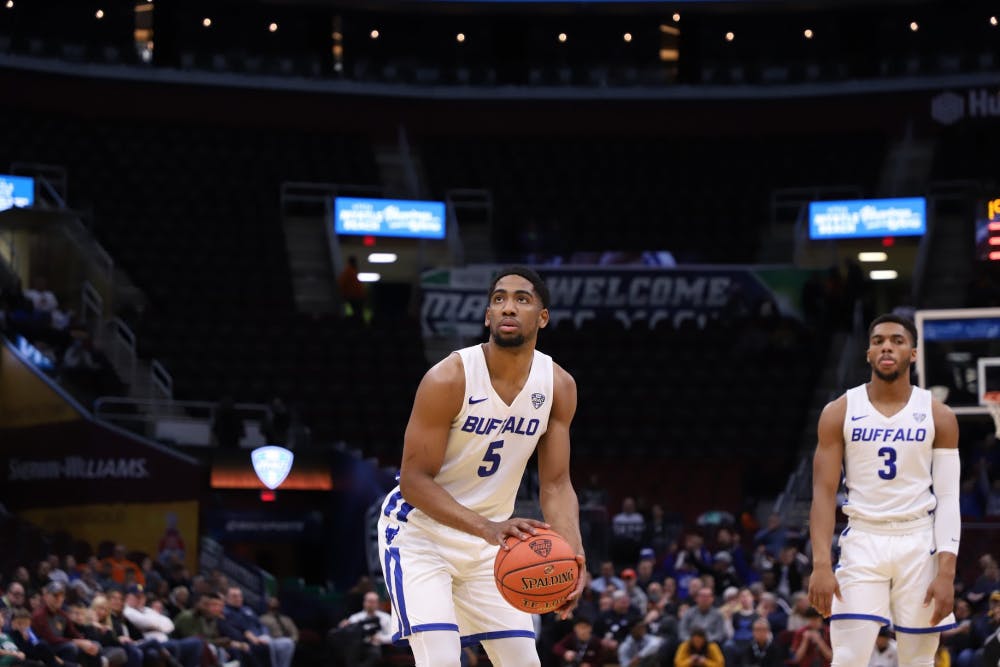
{"type": "Point", "coordinates": [528, 274]}
{"type": "Point", "coordinates": [906, 322]}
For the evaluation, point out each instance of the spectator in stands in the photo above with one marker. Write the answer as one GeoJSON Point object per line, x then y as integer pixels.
{"type": "Point", "coordinates": [119, 566]}
{"type": "Point", "coordinates": [800, 604]}
{"type": "Point", "coordinates": [637, 597]}
{"type": "Point", "coordinates": [614, 624]}
{"type": "Point", "coordinates": [13, 598]}
{"type": "Point", "coordinates": [177, 601]}
{"type": "Point", "coordinates": [206, 622]}
{"type": "Point", "coordinates": [703, 615]}
{"type": "Point", "coordinates": [884, 654]}
{"type": "Point", "coordinates": [55, 572]}
{"type": "Point", "coordinates": [607, 579]}
{"type": "Point", "coordinates": [660, 530]}
{"type": "Point", "coordinates": [985, 584]}
{"type": "Point", "coordinates": [773, 536]}
{"type": "Point", "coordinates": [724, 573]}
{"type": "Point", "coordinates": [278, 651]}
{"type": "Point", "coordinates": [40, 577]}
{"type": "Point", "coordinates": [227, 425]}
{"type": "Point", "coordinates": [640, 648]}
{"type": "Point", "coordinates": [762, 651]}
{"type": "Point", "coordinates": [28, 642]}
{"type": "Point", "coordinates": [644, 569]}
{"type": "Point", "coordinates": [101, 610]}
{"type": "Point", "coordinates": [54, 627]}
{"type": "Point", "coordinates": [726, 540]}
{"type": "Point", "coordinates": [156, 627]}
{"type": "Point", "coordinates": [111, 651]}
{"type": "Point", "coordinates": [811, 643]}
{"type": "Point", "coordinates": [769, 607]}
{"type": "Point", "coordinates": [627, 530]}
{"type": "Point", "coordinates": [740, 626]}
{"type": "Point", "coordinates": [352, 290]}
{"type": "Point", "coordinates": [580, 647]}
{"type": "Point", "coordinates": [361, 636]}
{"type": "Point", "coordinates": [787, 571]}
{"type": "Point", "coordinates": [698, 651]}
{"type": "Point", "coordinates": [278, 624]}
{"type": "Point", "coordinates": [959, 638]}
{"type": "Point", "coordinates": [690, 562]}
{"type": "Point", "coordinates": [593, 494]}
{"type": "Point", "coordinates": [10, 654]}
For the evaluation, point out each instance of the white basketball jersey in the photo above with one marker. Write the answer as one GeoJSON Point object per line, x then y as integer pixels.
{"type": "Point", "coordinates": [887, 460]}
{"type": "Point", "coordinates": [490, 442]}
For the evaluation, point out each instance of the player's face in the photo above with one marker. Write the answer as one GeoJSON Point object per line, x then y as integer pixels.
{"type": "Point", "coordinates": [891, 351]}
{"type": "Point", "coordinates": [515, 312]}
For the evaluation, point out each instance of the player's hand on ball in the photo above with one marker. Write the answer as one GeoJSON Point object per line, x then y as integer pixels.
{"type": "Point", "coordinates": [822, 587]}
{"type": "Point", "coordinates": [498, 531]}
{"type": "Point", "coordinates": [942, 592]}
{"type": "Point", "coordinates": [573, 598]}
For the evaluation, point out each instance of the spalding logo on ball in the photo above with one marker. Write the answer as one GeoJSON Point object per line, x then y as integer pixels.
{"type": "Point", "coordinates": [536, 574]}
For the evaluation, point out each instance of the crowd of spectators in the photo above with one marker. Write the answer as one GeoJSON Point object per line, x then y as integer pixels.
{"type": "Point", "coordinates": [732, 594]}
{"type": "Point", "coordinates": [117, 611]}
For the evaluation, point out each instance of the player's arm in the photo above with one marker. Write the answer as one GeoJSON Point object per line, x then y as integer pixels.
{"type": "Point", "coordinates": [946, 478]}
{"type": "Point", "coordinates": [557, 496]}
{"type": "Point", "coordinates": [827, 463]}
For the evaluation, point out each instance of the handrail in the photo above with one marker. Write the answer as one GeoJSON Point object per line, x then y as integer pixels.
{"type": "Point", "coordinates": [161, 379]}
{"type": "Point", "coordinates": [123, 349]}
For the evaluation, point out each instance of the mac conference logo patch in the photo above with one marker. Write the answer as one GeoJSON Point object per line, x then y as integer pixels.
{"type": "Point", "coordinates": [919, 416]}
{"type": "Point", "coordinates": [272, 464]}
{"type": "Point", "coordinates": [541, 547]}
{"type": "Point", "coordinates": [537, 400]}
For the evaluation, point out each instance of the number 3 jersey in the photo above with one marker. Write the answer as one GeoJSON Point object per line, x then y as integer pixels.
{"type": "Point", "coordinates": [887, 460]}
{"type": "Point", "coordinates": [490, 442]}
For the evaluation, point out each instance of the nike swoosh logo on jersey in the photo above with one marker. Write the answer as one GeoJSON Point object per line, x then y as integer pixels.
{"type": "Point", "coordinates": [854, 419]}
{"type": "Point", "coordinates": [933, 551]}
{"type": "Point", "coordinates": [473, 401]}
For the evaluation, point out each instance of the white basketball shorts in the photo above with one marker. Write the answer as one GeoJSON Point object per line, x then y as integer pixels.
{"type": "Point", "coordinates": [884, 571]}
{"type": "Point", "coordinates": [441, 579]}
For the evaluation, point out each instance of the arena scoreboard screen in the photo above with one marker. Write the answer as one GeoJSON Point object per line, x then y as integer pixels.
{"type": "Point", "coordinates": [988, 230]}
{"type": "Point", "coordinates": [16, 192]}
{"type": "Point", "coordinates": [867, 218]}
{"type": "Point", "coordinates": [402, 218]}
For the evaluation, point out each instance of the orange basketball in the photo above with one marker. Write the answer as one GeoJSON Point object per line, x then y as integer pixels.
{"type": "Point", "coordinates": [537, 574]}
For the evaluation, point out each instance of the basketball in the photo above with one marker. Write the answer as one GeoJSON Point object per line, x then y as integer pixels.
{"type": "Point", "coordinates": [536, 574]}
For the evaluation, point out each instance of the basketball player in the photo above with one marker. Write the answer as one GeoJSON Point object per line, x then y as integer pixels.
{"type": "Point", "coordinates": [898, 448]}
{"type": "Point", "coordinates": [477, 418]}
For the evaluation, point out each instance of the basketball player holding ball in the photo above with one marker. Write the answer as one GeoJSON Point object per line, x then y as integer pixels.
{"type": "Point", "coordinates": [898, 449]}
{"type": "Point", "coordinates": [477, 417]}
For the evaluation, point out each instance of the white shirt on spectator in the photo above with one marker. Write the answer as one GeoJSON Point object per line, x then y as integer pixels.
{"type": "Point", "coordinates": [384, 634]}
{"type": "Point", "coordinates": [886, 658]}
{"type": "Point", "coordinates": [151, 623]}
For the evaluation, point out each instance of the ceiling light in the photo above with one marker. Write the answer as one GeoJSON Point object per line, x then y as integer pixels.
{"type": "Point", "coordinates": [374, 34]}
{"type": "Point", "coordinates": [99, 13]}
{"type": "Point", "coordinates": [730, 36]}
{"type": "Point", "coordinates": [914, 26]}
{"type": "Point", "coordinates": [562, 37]}
{"type": "Point", "coordinates": [369, 277]}
{"type": "Point", "coordinates": [207, 22]}
{"type": "Point", "coordinates": [677, 17]}
{"type": "Point", "coordinates": [382, 257]}
{"type": "Point", "coordinates": [883, 274]}
{"type": "Point", "coordinates": [627, 37]}
{"type": "Point", "coordinates": [10, 4]}
{"type": "Point", "coordinates": [460, 37]}
{"type": "Point", "coordinates": [993, 21]}
{"type": "Point", "coordinates": [808, 33]}
{"type": "Point", "coordinates": [273, 27]}
{"type": "Point", "coordinates": [872, 256]}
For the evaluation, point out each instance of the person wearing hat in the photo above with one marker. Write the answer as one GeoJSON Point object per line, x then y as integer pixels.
{"type": "Point", "coordinates": [53, 626]}
{"type": "Point", "coordinates": [636, 595]}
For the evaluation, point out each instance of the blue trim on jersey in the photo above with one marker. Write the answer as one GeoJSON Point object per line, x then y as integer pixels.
{"type": "Point", "coordinates": [861, 617]}
{"type": "Point", "coordinates": [399, 640]}
{"type": "Point", "coordinates": [400, 595]}
{"type": "Point", "coordinates": [469, 640]}
{"type": "Point", "coordinates": [391, 505]}
{"type": "Point", "coordinates": [404, 510]}
{"type": "Point", "coordinates": [389, 591]}
{"type": "Point", "coordinates": [925, 631]}
{"type": "Point", "coordinates": [846, 530]}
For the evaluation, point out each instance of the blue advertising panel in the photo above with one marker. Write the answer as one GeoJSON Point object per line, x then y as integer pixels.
{"type": "Point", "coordinates": [865, 218]}
{"type": "Point", "coordinates": [16, 191]}
{"type": "Point", "coordinates": [389, 217]}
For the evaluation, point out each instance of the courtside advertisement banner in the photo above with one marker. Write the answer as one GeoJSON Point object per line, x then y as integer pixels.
{"type": "Point", "coordinates": [867, 218]}
{"type": "Point", "coordinates": [389, 217]}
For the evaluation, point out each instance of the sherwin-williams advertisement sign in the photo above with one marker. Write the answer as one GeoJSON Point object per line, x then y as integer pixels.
{"type": "Point", "coordinates": [454, 302]}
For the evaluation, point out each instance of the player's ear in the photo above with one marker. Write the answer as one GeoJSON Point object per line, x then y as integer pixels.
{"type": "Point", "coordinates": [543, 318]}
